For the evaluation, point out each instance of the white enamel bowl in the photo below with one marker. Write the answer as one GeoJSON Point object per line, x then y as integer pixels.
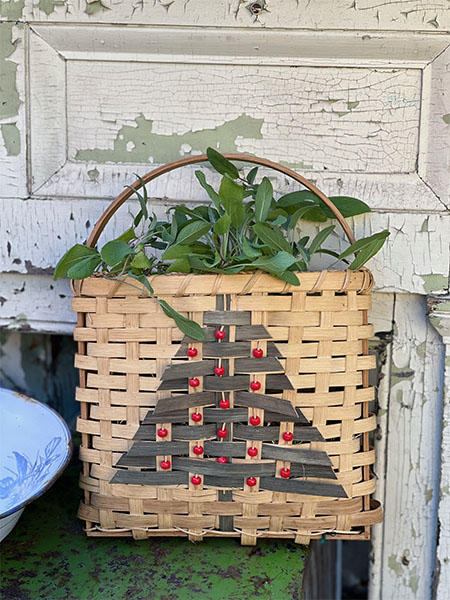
{"type": "Point", "coordinates": [35, 447]}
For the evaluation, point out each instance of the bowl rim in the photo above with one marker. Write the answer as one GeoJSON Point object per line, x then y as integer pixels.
{"type": "Point", "coordinates": [62, 467]}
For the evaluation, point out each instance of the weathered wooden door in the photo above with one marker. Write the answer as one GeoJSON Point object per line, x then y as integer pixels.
{"type": "Point", "coordinates": [353, 94]}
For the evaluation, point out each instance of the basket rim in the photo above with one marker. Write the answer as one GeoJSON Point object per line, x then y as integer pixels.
{"type": "Point", "coordinates": [179, 284]}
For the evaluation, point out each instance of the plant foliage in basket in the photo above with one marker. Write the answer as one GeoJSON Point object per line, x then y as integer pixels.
{"type": "Point", "coordinates": [245, 228]}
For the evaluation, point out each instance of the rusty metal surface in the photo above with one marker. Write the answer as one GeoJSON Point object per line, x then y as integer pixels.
{"type": "Point", "coordinates": [48, 556]}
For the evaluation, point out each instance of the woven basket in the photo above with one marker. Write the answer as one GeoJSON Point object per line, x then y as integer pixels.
{"type": "Point", "coordinates": [151, 469]}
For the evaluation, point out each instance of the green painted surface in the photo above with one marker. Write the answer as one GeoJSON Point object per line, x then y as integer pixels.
{"type": "Point", "coordinates": [11, 9]}
{"type": "Point", "coordinates": [441, 306]}
{"type": "Point", "coordinates": [424, 227]}
{"type": "Point", "coordinates": [136, 144]}
{"type": "Point", "coordinates": [94, 7]}
{"type": "Point", "coordinates": [399, 374]}
{"type": "Point", "coordinates": [434, 283]}
{"type": "Point", "coordinates": [394, 564]}
{"type": "Point", "coordinates": [446, 119]}
{"type": "Point", "coordinates": [11, 138]}
{"type": "Point", "coordinates": [48, 556]}
{"type": "Point", "coordinates": [49, 6]}
{"type": "Point", "coordinates": [9, 96]}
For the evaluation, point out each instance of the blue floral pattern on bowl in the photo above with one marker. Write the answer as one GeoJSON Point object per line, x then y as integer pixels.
{"type": "Point", "coordinates": [28, 474]}
{"type": "Point", "coordinates": [35, 448]}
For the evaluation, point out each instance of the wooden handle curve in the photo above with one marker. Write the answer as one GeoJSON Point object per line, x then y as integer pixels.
{"type": "Point", "coordinates": [191, 160]}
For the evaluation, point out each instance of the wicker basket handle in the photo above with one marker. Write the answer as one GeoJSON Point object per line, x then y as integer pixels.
{"type": "Point", "coordinates": [190, 160]}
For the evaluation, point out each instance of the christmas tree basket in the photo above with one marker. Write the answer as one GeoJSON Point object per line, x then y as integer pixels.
{"type": "Point", "coordinates": [261, 430]}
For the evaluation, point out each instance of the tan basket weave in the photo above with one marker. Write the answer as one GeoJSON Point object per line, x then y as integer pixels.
{"type": "Point", "coordinates": [134, 381]}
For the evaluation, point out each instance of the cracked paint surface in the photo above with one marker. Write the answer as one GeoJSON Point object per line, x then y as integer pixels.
{"type": "Point", "coordinates": [412, 453]}
{"type": "Point", "coordinates": [45, 557]}
{"type": "Point", "coordinates": [139, 143]}
{"type": "Point", "coordinates": [13, 168]}
{"type": "Point", "coordinates": [299, 116]}
{"type": "Point", "coordinates": [440, 318]}
{"type": "Point", "coordinates": [339, 14]}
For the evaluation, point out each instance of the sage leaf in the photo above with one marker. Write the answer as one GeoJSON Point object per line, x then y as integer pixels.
{"type": "Point", "coordinates": [177, 251]}
{"type": "Point", "coordinates": [72, 257]}
{"type": "Point", "coordinates": [209, 189]}
{"type": "Point", "coordinates": [114, 252]}
{"type": "Point", "coordinates": [272, 237]}
{"type": "Point", "coordinates": [249, 250]}
{"type": "Point", "coordinates": [364, 249]}
{"type": "Point", "coordinates": [222, 225]}
{"type": "Point", "coordinates": [192, 232]}
{"type": "Point", "coordinates": [320, 238]}
{"type": "Point", "coordinates": [347, 206]}
{"type": "Point", "coordinates": [252, 175]}
{"type": "Point", "coordinates": [127, 235]}
{"type": "Point", "coordinates": [289, 277]}
{"type": "Point", "coordinates": [140, 261]}
{"type": "Point", "coordinates": [263, 199]}
{"type": "Point", "coordinates": [181, 265]}
{"type": "Point", "coordinates": [232, 195]}
{"type": "Point", "coordinates": [274, 264]}
{"type": "Point", "coordinates": [221, 164]}
{"type": "Point", "coordinates": [85, 267]}
{"type": "Point", "coordinates": [365, 253]}
{"type": "Point", "coordinates": [187, 326]}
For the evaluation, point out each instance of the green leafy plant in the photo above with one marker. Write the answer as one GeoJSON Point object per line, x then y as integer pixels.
{"type": "Point", "coordinates": [245, 228]}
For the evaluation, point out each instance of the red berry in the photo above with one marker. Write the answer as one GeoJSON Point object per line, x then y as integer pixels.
{"type": "Point", "coordinates": [162, 432]}
{"type": "Point", "coordinates": [257, 353]}
{"type": "Point", "coordinates": [219, 371]}
{"type": "Point", "coordinates": [252, 451]}
{"type": "Point", "coordinates": [194, 382]}
{"type": "Point", "coordinates": [196, 480]}
{"type": "Point", "coordinates": [255, 385]}
{"type": "Point", "coordinates": [224, 403]}
{"type": "Point", "coordinates": [255, 420]}
{"type": "Point", "coordinates": [251, 481]}
{"type": "Point", "coordinates": [192, 352]}
{"type": "Point", "coordinates": [165, 464]}
{"type": "Point", "coordinates": [286, 473]}
{"type": "Point", "coordinates": [197, 449]}
{"type": "Point", "coordinates": [222, 460]}
{"type": "Point", "coordinates": [220, 335]}
{"type": "Point", "coordinates": [288, 436]}
{"type": "Point", "coordinates": [196, 417]}
{"type": "Point", "coordinates": [222, 433]}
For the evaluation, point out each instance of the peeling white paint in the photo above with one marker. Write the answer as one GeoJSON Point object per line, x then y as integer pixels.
{"type": "Point", "coordinates": [340, 14]}
{"type": "Point", "coordinates": [353, 93]}
{"type": "Point", "coordinates": [13, 171]}
{"type": "Point", "coordinates": [440, 319]}
{"type": "Point", "coordinates": [406, 545]}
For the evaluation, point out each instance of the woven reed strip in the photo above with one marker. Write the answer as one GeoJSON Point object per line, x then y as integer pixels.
{"type": "Point", "coordinates": [195, 508]}
{"type": "Point", "coordinates": [250, 509]}
{"type": "Point", "coordinates": [163, 494]}
{"type": "Point", "coordinates": [348, 425]}
{"type": "Point", "coordinates": [84, 411]}
{"type": "Point", "coordinates": [322, 385]}
{"type": "Point", "coordinates": [365, 412]}
{"type": "Point", "coordinates": [229, 302]}
{"type": "Point", "coordinates": [104, 399]}
{"type": "Point", "coordinates": [131, 321]}
{"type": "Point", "coordinates": [298, 306]}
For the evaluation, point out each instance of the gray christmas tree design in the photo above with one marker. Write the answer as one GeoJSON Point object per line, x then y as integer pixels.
{"type": "Point", "coordinates": [229, 435]}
